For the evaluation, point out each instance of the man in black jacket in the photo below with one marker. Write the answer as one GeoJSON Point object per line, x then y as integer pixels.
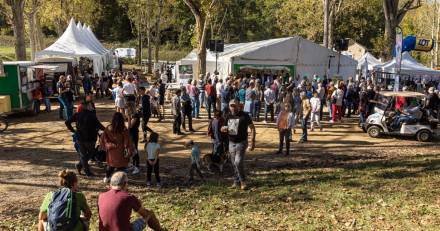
{"type": "Point", "coordinates": [87, 127]}
{"type": "Point", "coordinates": [146, 112]}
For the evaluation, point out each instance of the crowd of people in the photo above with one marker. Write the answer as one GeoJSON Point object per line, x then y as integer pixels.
{"type": "Point", "coordinates": [232, 104]}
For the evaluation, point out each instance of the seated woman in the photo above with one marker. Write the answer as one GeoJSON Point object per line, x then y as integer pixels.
{"type": "Point", "coordinates": [55, 210]}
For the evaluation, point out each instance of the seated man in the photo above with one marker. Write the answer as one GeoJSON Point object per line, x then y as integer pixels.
{"type": "Point", "coordinates": [115, 207]}
{"type": "Point", "coordinates": [408, 115]}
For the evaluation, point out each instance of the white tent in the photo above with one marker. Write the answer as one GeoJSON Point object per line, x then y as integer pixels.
{"type": "Point", "coordinates": [77, 42]}
{"type": "Point", "coordinates": [368, 59]}
{"type": "Point", "coordinates": [302, 56]}
{"type": "Point", "coordinates": [409, 68]}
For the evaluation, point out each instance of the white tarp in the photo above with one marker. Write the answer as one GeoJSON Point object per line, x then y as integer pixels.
{"type": "Point", "coordinates": [368, 59]}
{"type": "Point", "coordinates": [76, 42]}
{"type": "Point", "coordinates": [410, 67]}
{"type": "Point", "coordinates": [308, 58]}
{"type": "Point", "coordinates": [125, 52]}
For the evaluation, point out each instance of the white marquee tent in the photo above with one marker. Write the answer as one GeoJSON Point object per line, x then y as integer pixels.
{"type": "Point", "coordinates": [78, 41]}
{"type": "Point", "coordinates": [302, 56]}
{"type": "Point", "coordinates": [368, 59]}
{"type": "Point", "coordinates": [409, 68]}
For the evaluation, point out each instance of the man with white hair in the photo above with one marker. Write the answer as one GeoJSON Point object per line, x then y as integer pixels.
{"type": "Point", "coordinates": [115, 207]}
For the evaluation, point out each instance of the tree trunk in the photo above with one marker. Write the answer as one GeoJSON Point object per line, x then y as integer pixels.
{"type": "Point", "coordinates": [201, 25]}
{"type": "Point", "coordinates": [157, 27]}
{"type": "Point", "coordinates": [139, 52]}
{"type": "Point", "coordinates": [39, 43]}
{"type": "Point", "coordinates": [32, 35]}
{"type": "Point", "coordinates": [326, 23]}
{"type": "Point", "coordinates": [17, 7]}
{"type": "Point", "coordinates": [437, 33]}
{"type": "Point", "coordinates": [331, 23]}
{"type": "Point", "coordinates": [150, 64]}
{"type": "Point", "coordinates": [393, 16]}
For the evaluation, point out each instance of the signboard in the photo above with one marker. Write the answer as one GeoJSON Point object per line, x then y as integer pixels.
{"type": "Point", "coordinates": [2, 69]}
{"type": "Point", "coordinates": [424, 44]}
{"type": "Point", "coordinates": [398, 64]}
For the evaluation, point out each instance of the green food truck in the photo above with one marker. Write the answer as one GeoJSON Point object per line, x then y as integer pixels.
{"type": "Point", "coordinates": [18, 82]}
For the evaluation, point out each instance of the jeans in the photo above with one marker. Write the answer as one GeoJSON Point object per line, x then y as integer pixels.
{"type": "Point", "coordinates": [350, 108]}
{"type": "Point", "coordinates": [202, 98]}
{"type": "Point", "coordinates": [304, 129]}
{"type": "Point", "coordinates": [329, 108]}
{"type": "Point", "coordinates": [67, 110]}
{"type": "Point", "coordinates": [150, 169]}
{"type": "Point", "coordinates": [237, 152]}
{"type": "Point", "coordinates": [177, 123]}
{"type": "Point", "coordinates": [86, 152]}
{"type": "Point", "coordinates": [145, 127]}
{"type": "Point", "coordinates": [195, 167]}
{"type": "Point", "coordinates": [224, 108]}
{"type": "Point", "coordinates": [196, 106]}
{"type": "Point", "coordinates": [210, 104]}
{"type": "Point", "coordinates": [268, 108]}
{"type": "Point", "coordinates": [138, 225]}
{"type": "Point", "coordinates": [257, 106]}
{"type": "Point", "coordinates": [188, 115]}
{"type": "Point", "coordinates": [47, 104]}
{"type": "Point", "coordinates": [284, 137]}
{"type": "Point", "coordinates": [362, 117]}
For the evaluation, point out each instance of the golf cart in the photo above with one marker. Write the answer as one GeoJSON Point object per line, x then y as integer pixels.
{"type": "Point", "coordinates": [385, 119]}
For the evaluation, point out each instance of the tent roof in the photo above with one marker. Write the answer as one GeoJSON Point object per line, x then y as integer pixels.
{"type": "Point", "coordinates": [369, 59]}
{"type": "Point", "coordinates": [70, 44]}
{"type": "Point", "coordinates": [409, 66]}
{"type": "Point", "coordinates": [277, 50]}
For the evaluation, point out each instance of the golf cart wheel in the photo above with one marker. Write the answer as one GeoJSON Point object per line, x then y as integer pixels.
{"type": "Point", "coordinates": [374, 131]}
{"type": "Point", "coordinates": [424, 136]}
{"type": "Point", "coordinates": [3, 124]}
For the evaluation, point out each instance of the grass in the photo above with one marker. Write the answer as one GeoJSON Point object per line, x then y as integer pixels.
{"type": "Point", "coordinates": [399, 195]}
{"type": "Point", "coordinates": [8, 53]}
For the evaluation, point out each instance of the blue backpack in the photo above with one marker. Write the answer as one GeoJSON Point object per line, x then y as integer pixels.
{"type": "Point", "coordinates": [61, 215]}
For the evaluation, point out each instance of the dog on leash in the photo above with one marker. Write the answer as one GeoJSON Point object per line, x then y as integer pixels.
{"type": "Point", "coordinates": [217, 161]}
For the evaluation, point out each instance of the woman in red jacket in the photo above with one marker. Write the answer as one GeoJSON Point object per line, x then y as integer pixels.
{"type": "Point", "coordinates": [118, 146]}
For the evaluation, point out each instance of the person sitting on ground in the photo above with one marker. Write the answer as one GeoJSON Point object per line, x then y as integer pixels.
{"type": "Point", "coordinates": [54, 201]}
{"type": "Point", "coordinates": [195, 160]}
{"type": "Point", "coordinates": [116, 205]}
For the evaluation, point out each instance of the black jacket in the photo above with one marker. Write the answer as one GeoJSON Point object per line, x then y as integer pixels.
{"type": "Point", "coordinates": [87, 125]}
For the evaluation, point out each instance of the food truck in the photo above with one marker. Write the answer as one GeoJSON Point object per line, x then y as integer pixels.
{"type": "Point", "coordinates": [18, 82]}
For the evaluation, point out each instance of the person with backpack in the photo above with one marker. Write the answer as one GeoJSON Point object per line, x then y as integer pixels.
{"type": "Point", "coordinates": [61, 210]}
{"type": "Point", "coordinates": [87, 127]}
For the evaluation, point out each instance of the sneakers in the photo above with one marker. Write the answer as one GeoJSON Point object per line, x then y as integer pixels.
{"type": "Point", "coordinates": [331, 121]}
{"type": "Point", "coordinates": [135, 171]}
{"type": "Point", "coordinates": [265, 121]}
{"type": "Point", "coordinates": [159, 185]}
{"type": "Point", "coordinates": [234, 185]}
{"type": "Point", "coordinates": [243, 186]}
{"type": "Point", "coordinates": [106, 180]}
{"type": "Point", "coordinates": [148, 184]}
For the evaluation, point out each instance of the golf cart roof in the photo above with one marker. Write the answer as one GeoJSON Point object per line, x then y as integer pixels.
{"type": "Point", "coordinates": [402, 93]}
